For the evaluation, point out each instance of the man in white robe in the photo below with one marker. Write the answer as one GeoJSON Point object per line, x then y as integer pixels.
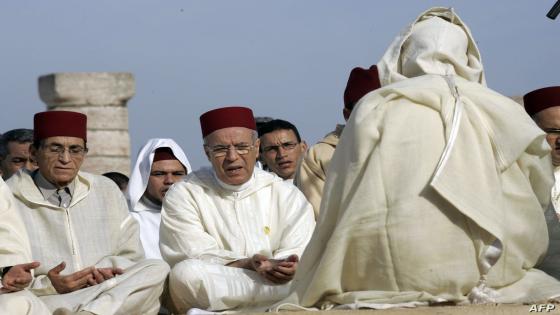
{"type": "Point", "coordinates": [543, 105]}
{"type": "Point", "coordinates": [311, 173]}
{"type": "Point", "coordinates": [437, 190]}
{"type": "Point", "coordinates": [232, 233]}
{"type": "Point", "coordinates": [160, 164]}
{"type": "Point", "coordinates": [16, 267]}
{"type": "Point", "coordinates": [80, 229]}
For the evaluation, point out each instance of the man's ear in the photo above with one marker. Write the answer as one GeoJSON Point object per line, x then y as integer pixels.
{"type": "Point", "coordinates": [303, 146]}
{"type": "Point", "coordinates": [207, 152]}
{"type": "Point", "coordinates": [33, 152]}
{"type": "Point", "coordinates": [346, 113]}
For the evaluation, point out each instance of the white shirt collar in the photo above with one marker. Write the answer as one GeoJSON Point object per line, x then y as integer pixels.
{"type": "Point", "coordinates": [235, 188]}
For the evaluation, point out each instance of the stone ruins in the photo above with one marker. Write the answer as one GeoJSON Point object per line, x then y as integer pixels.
{"type": "Point", "coordinates": [102, 96]}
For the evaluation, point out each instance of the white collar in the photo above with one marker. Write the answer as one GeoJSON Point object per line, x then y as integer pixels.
{"type": "Point", "coordinates": [557, 173]}
{"type": "Point", "coordinates": [235, 188]}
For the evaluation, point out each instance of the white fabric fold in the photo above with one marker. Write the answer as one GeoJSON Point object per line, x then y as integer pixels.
{"type": "Point", "coordinates": [14, 243]}
{"type": "Point", "coordinates": [555, 191]}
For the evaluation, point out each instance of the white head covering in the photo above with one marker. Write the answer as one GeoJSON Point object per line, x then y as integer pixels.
{"type": "Point", "coordinates": [437, 42]}
{"type": "Point", "coordinates": [141, 171]}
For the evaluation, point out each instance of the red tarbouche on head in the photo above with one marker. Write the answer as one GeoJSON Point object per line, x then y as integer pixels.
{"type": "Point", "coordinates": [541, 99]}
{"type": "Point", "coordinates": [164, 153]}
{"type": "Point", "coordinates": [226, 117]}
{"type": "Point", "coordinates": [59, 124]}
{"type": "Point", "coordinates": [360, 82]}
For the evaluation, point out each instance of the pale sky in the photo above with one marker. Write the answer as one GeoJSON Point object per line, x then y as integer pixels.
{"type": "Point", "coordinates": [285, 59]}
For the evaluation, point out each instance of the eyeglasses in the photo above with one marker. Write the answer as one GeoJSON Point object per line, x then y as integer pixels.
{"type": "Point", "coordinates": [74, 150]}
{"type": "Point", "coordinates": [222, 150]}
{"type": "Point", "coordinates": [553, 131]}
{"type": "Point", "coordinates": [287, 146]}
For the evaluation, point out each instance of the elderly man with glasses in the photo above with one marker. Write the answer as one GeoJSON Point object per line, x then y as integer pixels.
{"type": "Point", "coordinates": [543, 105]}
{"type": "Point", "coordinates": [88, 245]}
{"type": "Point", "coordinates": [233, 234]}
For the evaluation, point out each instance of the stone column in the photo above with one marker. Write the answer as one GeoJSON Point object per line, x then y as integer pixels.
{"type": "Point", "coordinates": [518, 99]}
{"type": "Point", "coordinates": [102, 96]}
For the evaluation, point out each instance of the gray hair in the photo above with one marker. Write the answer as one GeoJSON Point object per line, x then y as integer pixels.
{"type": "Point", "coordinates": [254, 137]}
{"type": "Point", "coordinates": [15, 135]}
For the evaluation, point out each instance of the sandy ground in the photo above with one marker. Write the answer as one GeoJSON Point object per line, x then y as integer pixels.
{"type": "Point", "coordinates": [506, 309]}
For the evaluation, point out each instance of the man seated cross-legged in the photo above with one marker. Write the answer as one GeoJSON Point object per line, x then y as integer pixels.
{"type": "Point", "coordinates": [80, 230]}
{"type": "Point", "coordinates": [233, 233]}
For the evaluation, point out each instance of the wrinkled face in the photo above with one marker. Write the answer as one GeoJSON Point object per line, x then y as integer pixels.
{"type": "Point", "coordinates": [60, 159]}
{"type": "Point", "coordinates": [549, 121]}
{"type": "Point", "coordinates": [233, 152]}
{"type": "Point", "coordinates": [163, 174]}
{"type": "Point", "coordinates": [18, 157]}
{"type": "Point", "coordinates": [281, 152]}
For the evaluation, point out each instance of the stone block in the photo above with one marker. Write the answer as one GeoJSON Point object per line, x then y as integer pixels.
{"type": "Point", "coordinates": [86, 88]}
{"type": "Point", "coordinates": [108, 143]}
{"type": "Point", "coordinates": [518, 99]}
{"type": "Point", "coordinates": [101, 117]}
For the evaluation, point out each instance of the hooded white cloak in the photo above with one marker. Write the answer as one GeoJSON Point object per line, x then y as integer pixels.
{"type": "Point", "coordinates": [145, 212]}
{"type": "Point", "coordinates": [437, 190]}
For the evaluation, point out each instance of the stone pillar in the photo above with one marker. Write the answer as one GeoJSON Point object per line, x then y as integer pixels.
{"type": "Point", "coordinates": [518, 99]}
{"type": "Point", "coordinates": [102, 96]}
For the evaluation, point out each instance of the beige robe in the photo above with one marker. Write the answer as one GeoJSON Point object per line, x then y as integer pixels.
{"type": "Point", "coordinates": [206, 225]}
{"type": "Point", "coordinates": [95, 230]}
{"type": "Point", "coordinates": [15, 250]}
{"type": "Point", "coordinates": [436, 192]}
{"type": "Point", "coordinates": [312, 171]}
{"type": "Point", "coordinates": [22, 303]}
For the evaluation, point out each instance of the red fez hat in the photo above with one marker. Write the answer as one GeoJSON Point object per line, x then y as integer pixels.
{"type": "Point", "coordinates": [541, 99]}
{"type": "Point", "coordinates": [59, 124]}
{"type": "Point", "coordinates": [226, 117]}
{"type": "Point", "coordinates": [360, 83]}
{"type": "Point", "coordinates": [163, 153]}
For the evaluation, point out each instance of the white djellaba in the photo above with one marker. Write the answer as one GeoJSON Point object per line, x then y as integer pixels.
{"type": "Point", "coordinates": [14, 250]}
{"type": "Point", "coordinates": [94, 230]}
{"type": "Point", "coordinates": [437, 191]}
